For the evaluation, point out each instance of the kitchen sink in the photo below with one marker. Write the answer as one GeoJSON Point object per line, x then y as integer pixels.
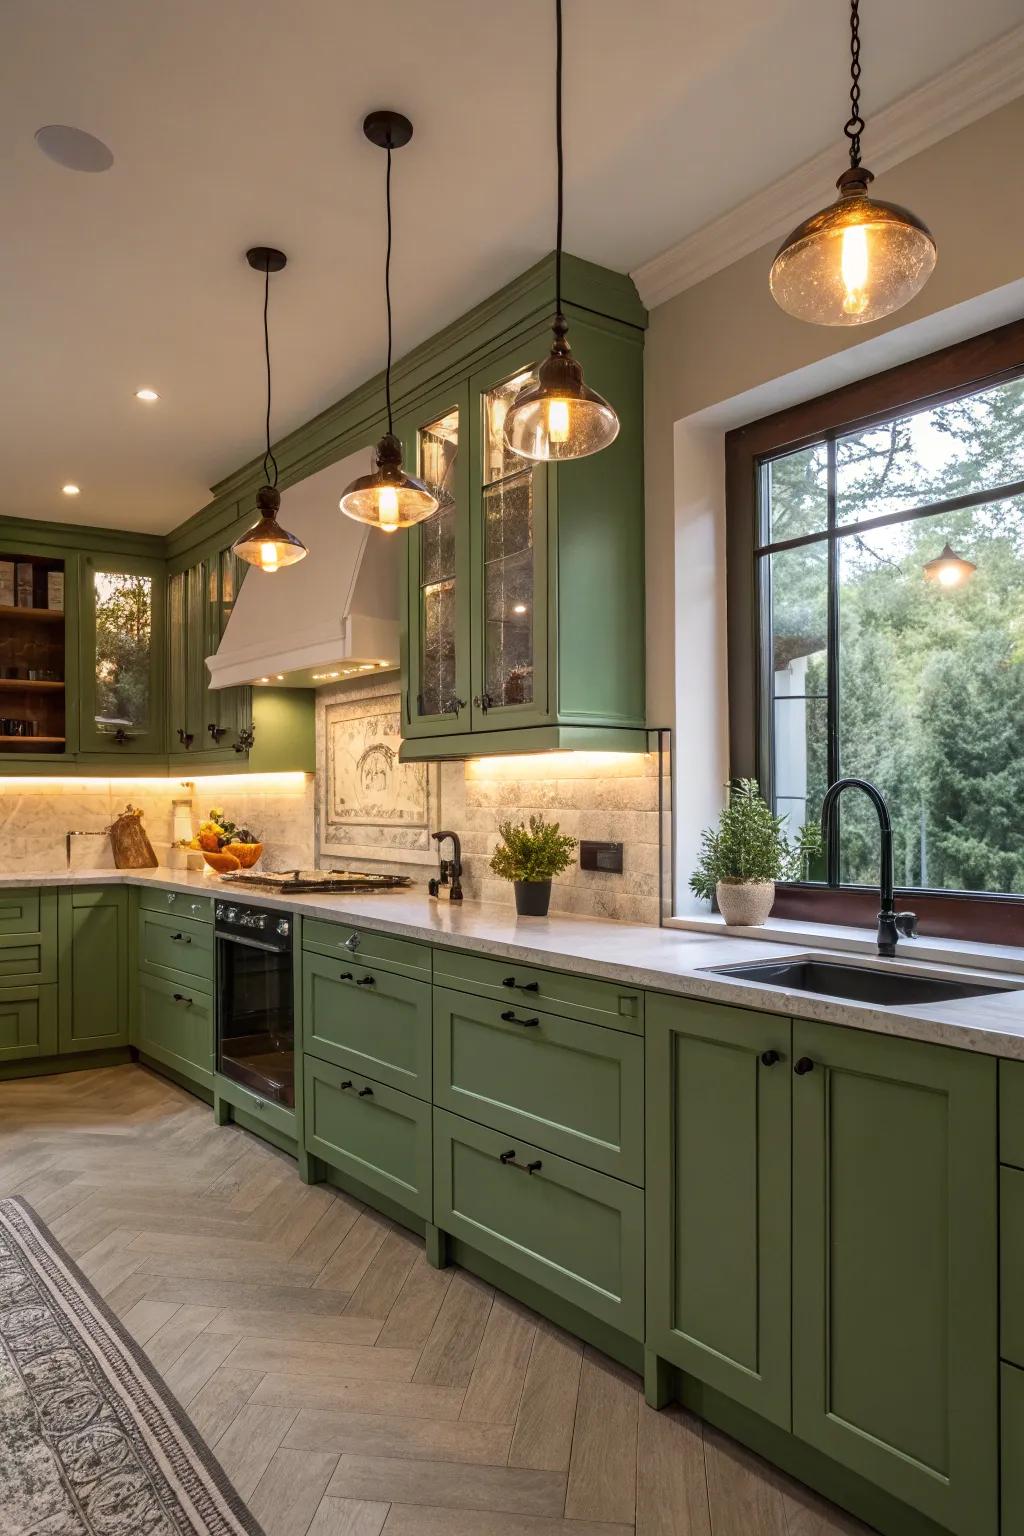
{"type": "Point", "coordinates": [859, 983]}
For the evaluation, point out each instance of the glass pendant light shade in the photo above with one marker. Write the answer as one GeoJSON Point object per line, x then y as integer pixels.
{"type": "Point", "coordinates": [559, 417]}
{"type": "Point", "coordinates": [949, 569]}
{"type": "Point", "coordinates": [267, 545]}
{"type": "Point", "coordinates": [857, 260]}
{"type": "Point", "coordinates": [388, 498]}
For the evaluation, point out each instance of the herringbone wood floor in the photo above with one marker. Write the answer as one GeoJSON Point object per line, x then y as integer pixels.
{"type": "Point", "coordinates": [347, 1387]}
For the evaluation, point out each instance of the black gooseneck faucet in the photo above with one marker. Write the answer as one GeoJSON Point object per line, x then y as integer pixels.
{"type": "Point", "coordinates": [892, 925]}
{"type": "Point", "coordinates": [452, 867]}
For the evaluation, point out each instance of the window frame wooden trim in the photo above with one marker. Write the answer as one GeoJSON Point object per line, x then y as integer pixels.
{"type": "Point", "coordinates": [981, 361]}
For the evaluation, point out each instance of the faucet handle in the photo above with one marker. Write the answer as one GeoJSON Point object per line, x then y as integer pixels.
{"type": "Point", "coordinates": [906, 924]}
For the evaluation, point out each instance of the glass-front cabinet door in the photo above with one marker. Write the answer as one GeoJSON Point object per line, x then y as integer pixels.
{"type": "Point", "coordinates": [509, 563]}
{"type": "Point", "coordinates": [122, 630]}
{"type": "Point", "coordinates": [202, 719]}
{"type": "Point", "coordinates": [438, 631]}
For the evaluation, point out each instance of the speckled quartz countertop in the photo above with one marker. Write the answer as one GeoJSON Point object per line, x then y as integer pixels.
{"type": "Point", "coordinates": [659, 959]}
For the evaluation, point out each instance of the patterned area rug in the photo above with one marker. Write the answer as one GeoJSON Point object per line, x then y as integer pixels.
{"type": "Point", "coordinates": [91, 1441]}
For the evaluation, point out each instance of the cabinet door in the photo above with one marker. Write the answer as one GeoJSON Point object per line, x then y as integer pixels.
{"type": "Point", "coordinates": [368, 1020]}
{"type": "Point", "coordinates": [895, 1276]}
{"type": "Point", "coordinates": [175, 1027]}
{"type": "Point", "coordinates": [230, 707]}
{"type": "Point", "coordinates": [509, 544]}
{"type": "Point", "coordinates": [93, 969]}
{"type": "Point", "coordinates": [718, 1198]}
{"type": "Point", "coordinates": [437, 602]}
{"type": "Point", "coordinates": [372, 1132]}
{"type": "Point", "coordinates": [178, 727]}
{"type": "Point", "coordinates": [28, 1022]}
{"type": "Point", "coordinates": [122, 654]}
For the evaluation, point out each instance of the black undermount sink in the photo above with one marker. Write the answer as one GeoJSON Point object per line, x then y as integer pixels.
{"type": "Point", "coordinates": [858, 983]}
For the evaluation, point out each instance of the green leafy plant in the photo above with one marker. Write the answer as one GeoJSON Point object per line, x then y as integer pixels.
{"type": "Point", "coordinates": [749, 844]}
{"type": "Point", "coordinates": [535, 853]}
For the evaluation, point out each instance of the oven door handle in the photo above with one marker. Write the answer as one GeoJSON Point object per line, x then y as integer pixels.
{"type": "Point", "coordinates": [234, 938]}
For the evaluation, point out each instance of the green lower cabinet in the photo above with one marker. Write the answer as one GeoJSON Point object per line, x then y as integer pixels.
{"type": "Point", "coordinates": [574, 1088]}
{"type": "Point", "coordinates": [369, 1020]}
{"type": "Point", "coordinates": [1013, 1451]}
{"type": "Point", "coordinates": [895, 1279]}
{"type": "Point", "coordinates": [718, 1198]}
{"type": "Point", "coordinates": [169, 945]}
{"type": "Point", "coordinates": [175, 1027]}
{"type": "Point", "coordinates": [578, 1233]}
{"type": "Point", "coordinates": [372, 1132]}
{"type": "Point", "coordinates": [93, 968]}
{"type": "Point", "coordinates": [28, 1022]}
{"type": "Point", "coordinates": [28, 937]}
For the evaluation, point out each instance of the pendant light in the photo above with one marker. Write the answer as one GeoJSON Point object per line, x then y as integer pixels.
{"type": "Point", "coordinates": [267, 545]}
{"type": "Point", "coordinates": [949, 569]}
{"type": "Point", "coordinates": [559, 417]}
{"type": "Point", "coordinates": [388, 498]}
{"type": "Point", "coordinates": [859, 259]}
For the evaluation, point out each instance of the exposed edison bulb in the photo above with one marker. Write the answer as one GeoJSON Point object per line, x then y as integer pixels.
{"type": "Point", "coordinates": [950, 576]}
{"type": "Point", "coordinates": [558, 421]}
{"type": "Point", "coordinates": [387, 503]}
{"type": "Point", "coordinates": [854, 267]}
{"type": "Point", "coordinates": [268, 557]}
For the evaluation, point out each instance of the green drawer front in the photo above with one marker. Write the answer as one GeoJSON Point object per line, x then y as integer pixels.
{"type": "Point", "coordinates": [175, 1027]}
{"type": "Point", "coordinates": [1011, 1264]}
{"type": "Point", "coordinates": [370, 1020]}
{"type": "Point", "coordinates": [23, 962]}
{"type": "Point", "coordinates": [179, 903]}
{"type": "Point", "coordinates": [1013, 1451]}
{"type": "Point", "coordinates": [399, 955]}
{"type": "Point", "coordinates": [182, 944]}
{"type": "Point", "coordinates": [576, 997]}
{"type": "Point", "coordinates": [578, 1233]}
{"type": "Point", "coordinates": [1011, 1112]}
{"type": "Point", "coordinates": [20, 912]}
{"type": "Point", "coordinates": [374, 1133]}
{"type": "Point", "coordinates": [572, 1088]}
{"type": "Point", "coordinates": [28, 1022]}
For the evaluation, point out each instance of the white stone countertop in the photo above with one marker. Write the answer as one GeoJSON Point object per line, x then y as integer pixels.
{"type": "Point", "coordinates": [658, 959]}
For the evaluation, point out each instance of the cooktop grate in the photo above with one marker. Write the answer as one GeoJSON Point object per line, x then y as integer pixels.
{"type": "Point", "coordinates": [297, 881]}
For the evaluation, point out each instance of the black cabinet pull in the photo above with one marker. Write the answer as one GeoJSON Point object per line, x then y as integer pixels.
{"type": "Point", "coordinates": [344, 975]}
{"type": "Point", "coordinates": [510, 1018]}
{"type": "Point", "coordinates": [180, 938]}
{"type": "Point", "coordinates": [534, 1167]}
{"type": "Point", "coordinates": [509, 1160]}
{"type": "Point", "coordinates": [217, 731]}
{"type": "Point", "coordinates": [179, 997]}
{"type": "Point", "coordinates": [366, 1093]}
{"type": "Point", "coordinates": [521, 986]}
{"type": "Point", "coordinates": [769, 1058]}
{"type": "Point", "coordinates": [365, 981]}
{"type": "Point", "coordinates": [186, 738]}
{"type": "Point", "coordinates": [347, 1084]}
{"type": "Point", "coordinates": [507, 1157]}
{"type": "Point", "coordinates": [803, 1066]}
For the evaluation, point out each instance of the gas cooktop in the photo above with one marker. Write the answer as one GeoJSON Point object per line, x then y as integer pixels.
{"type": "Point", "coordinates": [295, 881]}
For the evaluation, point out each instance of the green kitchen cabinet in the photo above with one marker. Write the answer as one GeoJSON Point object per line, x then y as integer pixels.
{"type": "Point", "coordinates": [369, 1020]}
{"type": "Point", "coordinates": [38, 654]}
{"type": "Point", "coordinates": [28, 1022]}
{"type": "Point", "coordinates": [203, 722]}
{"type": "Point", "coordinates": [1013, 1450]}
{"type": "Point", "coordinates": [175, 1026]}
{"type": "Point", "coordinates": [122, 655]}
{"type": "Point", "coordinates": [93, 925]}
{"type": "Point", "coordinates": [718, 1198]}
{"type": "Point", "coordinates": [374, 1133]}
{"type": "Point", "coordinates": [895, 1274]}
{"type": "Point", "coordinates": [28, 937]}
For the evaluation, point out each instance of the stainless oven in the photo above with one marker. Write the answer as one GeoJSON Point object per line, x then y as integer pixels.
{"type": "Point", "coordinates": [255, 1006]}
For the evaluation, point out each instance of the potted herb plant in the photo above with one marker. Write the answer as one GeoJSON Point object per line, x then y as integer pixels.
{"type": "Point", "coordinates": [742, 858]}
{"type": "Point", "coordinates": [530, 856]}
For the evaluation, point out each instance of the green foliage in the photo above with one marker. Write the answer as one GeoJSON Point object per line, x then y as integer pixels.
{"type": "Point", "coordinates": [535, 853]}
{"type": "Point", "coordinates": [124, 612]}
{"type": "Point", "coordinates": [750, 844]}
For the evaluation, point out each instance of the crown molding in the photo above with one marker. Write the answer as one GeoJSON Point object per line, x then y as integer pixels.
{"type": "Point", "coordinates": [978, 85]}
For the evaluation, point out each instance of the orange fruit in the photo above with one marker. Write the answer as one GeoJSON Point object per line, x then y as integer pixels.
{"type": "Point", "coordinates": [221, 862]}
{"type": "Point", "coordinates": [245, 853]}
{"type": "Point", "coordinates": [209, 841]}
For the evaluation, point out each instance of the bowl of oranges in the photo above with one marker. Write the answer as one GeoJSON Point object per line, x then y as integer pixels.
{"type": "Point", "coordinates": [226, 847]}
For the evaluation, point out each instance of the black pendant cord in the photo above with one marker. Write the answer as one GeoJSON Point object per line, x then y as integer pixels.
{"type": "Point", "coordinates": [855, 123]}
{"type": "Point", "coordinates": [269, 455]}
{"type": "Point", "coordinates": [558, 143]}
{"type": "Point", "coordinates": [387, 296]}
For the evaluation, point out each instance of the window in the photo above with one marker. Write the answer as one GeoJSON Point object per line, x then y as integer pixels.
{"type": "Point", "coordinates": [869, 652]}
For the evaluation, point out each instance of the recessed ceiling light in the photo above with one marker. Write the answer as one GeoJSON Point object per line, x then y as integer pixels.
{"type": "Point", "coordinates": [146, 394]}
{"type": "Point", "coordinates": [73, 148]}
{"type": "Point", "coordinates": [71, 490]}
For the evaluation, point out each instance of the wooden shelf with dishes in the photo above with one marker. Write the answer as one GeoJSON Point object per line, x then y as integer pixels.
{"type": "Point", "coordinates": [32, 654]}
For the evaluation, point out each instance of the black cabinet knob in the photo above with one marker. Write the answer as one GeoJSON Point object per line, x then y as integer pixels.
{"type": "Point", "coordinates": [510, 1018]}
{"type": "Point", "coordinates": [534, 1167]}
{"type": "Point", "coordinates": [769, 1058]}
{"type": "Point", "coordinates": [507, 1157]}
{"type": "Point", "coordinates": [179, 997]}
{"type": "Point", "coordinates": [803, 1066]}
{"type": "Point", "coordinates": [365, 981]}
{"type": "Point", "coordinates": [366, 1093]}
{"type": "Point", "coordinates": [344, 975]}
{"type": "Point", "coordinates": [521, 986]}
{"type": "Point", "coordinates": [347, 1084]}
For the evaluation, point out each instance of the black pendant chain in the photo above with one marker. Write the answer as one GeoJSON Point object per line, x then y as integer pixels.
{"type": "Point", "coordinates": [268, 457]}
{"type": "Point", "coordinates": [387, 294]}
{"type": "Point", "coordinates": [558, 143]}
{"type": "Point", "coordinates": [855, 123]}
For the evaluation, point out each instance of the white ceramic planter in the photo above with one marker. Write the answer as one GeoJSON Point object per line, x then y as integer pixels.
{"type": "Point", "coordinates": [745, 906]}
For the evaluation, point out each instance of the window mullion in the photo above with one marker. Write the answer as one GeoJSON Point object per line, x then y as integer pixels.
{"type": "Point", "coordinates": [832, 707]}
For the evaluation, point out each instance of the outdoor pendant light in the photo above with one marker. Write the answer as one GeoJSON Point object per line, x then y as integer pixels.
{"type": "Point", "coordinates": [559, 417]}
{"type": "Point", "coordinates": [388, 498]}
{"type": "Point", "coordinates": [267, 545]}
{"type": "Point", "coordinates": [949, 569]}
{"type": "Point", "coordinates": [859, 259]}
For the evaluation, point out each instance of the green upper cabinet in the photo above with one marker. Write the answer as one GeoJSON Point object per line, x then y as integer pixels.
{"type": "Point", "coordinates": [202, 721]}
{"type": "Point", "coordinates": [38, 651]}
{"type": "Point", "coordinates": [524, 598]}
{"type": "Point", "coordinates": [121, 655]}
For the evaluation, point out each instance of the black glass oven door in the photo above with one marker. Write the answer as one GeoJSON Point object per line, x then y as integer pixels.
{"type": "Point", "coordinates": [255, 1020]}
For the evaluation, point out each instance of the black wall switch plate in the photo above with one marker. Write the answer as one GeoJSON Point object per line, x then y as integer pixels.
{"type": "Point", "coordinates": [606, 858]}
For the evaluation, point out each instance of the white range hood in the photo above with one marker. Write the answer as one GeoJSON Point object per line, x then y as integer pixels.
{"type": "Point", "coordinates": [331, 615]}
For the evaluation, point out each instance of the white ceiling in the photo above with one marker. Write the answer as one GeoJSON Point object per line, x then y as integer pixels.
{"type": "Point", "coordinates": [236, 122]}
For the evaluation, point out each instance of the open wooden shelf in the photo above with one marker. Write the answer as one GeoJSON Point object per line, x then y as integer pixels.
{"type": "Point", "coordinates": [47, 615]}
{"type": "Point", "coordinates": [29, 685]}
{"type": "Point", "coordinates": [34, 741]}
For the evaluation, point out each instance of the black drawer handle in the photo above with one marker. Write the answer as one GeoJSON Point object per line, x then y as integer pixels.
{"type": "Point", "coordinates": [769, 1058]}
{"type": "Point", "coordinates": [510, 1018]}
{"type": "Point", "coordinates": [508, 1159]}
{"type": "Point", "coordinates": [365, 981]}
{"type": "Point", "coordinates": [366, 1093]}
{"type": "Point", "coordinates": [803, 1066]}
{"type": "Point", "coordinates": [345, 976]}
{"type": "Point", "coordinates": [180, 938]}
{"type": "Point", "coordinates": [179, 997]}
{"type": "Point", "coordinates": [348, 1084]}
{"type": "Point", "coordinates": [521, 986]}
